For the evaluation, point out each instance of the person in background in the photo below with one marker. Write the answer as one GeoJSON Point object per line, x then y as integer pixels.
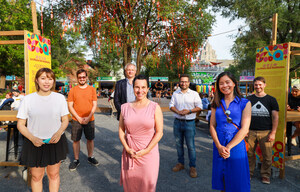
{"type": "Point", "coordinates": [205, 101]}
{"type": "Point", "coordinates": [185, 103]}
{"type": "Point", "coordinates": [229, 124]}
{"type": "Point", "coordinates": [42, 119]}
{"type": "Point", "coordinates": [82, 102]}
{"type": "Point", "coordinates": [159, 87]}
{"type": "Point", "coordinates": [124, 88]}
{"type": "Point", "coordinates": [294, 105]}
{"type": "Point", "coordinates": [264, 122]}
{"type": "Point", "coordinates": [140, 130]}
{"type": "Point", "coordinates": [6, 102]}
{"type": "Point", "coordinates": [17, 99]}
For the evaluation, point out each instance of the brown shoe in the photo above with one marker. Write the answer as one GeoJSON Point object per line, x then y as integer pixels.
{"type": "Point", "coordinates": [193, 172]}
{"type": "Point", "coordinates": [178, 167]}
{"type": "Point", "coordinates": [265, 180]}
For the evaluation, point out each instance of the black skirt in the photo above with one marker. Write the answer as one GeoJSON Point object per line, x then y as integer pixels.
{"type": "Point", "coordinates": [47, 154]}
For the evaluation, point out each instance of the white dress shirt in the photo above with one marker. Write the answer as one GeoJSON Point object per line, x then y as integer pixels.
{"type": "Point", "coordinates": [188, 100]}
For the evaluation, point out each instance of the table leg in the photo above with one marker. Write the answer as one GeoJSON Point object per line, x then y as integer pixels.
{"type": "Point", "coordinates": [7, 142]}
{"type": "Point", "coordinates": [289, 135]}
{"type": "Point", "coordinates": [16, 140]}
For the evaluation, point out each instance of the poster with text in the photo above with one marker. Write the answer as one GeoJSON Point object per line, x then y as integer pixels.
{"type": "Point", "coordinates": [37, 55]}
{"type": "Point", "coordinates": [272, 64]}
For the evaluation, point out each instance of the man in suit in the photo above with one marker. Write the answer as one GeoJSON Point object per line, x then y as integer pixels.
{"type": "Point", "coordinates": [124, 88]}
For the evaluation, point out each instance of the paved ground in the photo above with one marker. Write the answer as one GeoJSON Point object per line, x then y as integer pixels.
{"type": "Point", "coordinates": [108, 149]}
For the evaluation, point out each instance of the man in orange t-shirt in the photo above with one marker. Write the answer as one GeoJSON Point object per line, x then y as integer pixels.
{"type": "Point", "coordinates": [82, 102]}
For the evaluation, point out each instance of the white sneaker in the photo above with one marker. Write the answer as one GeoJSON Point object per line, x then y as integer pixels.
{"type": "Point", "coordinates": [294, 142]}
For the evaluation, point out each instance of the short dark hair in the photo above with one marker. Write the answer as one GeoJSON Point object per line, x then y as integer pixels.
{"type": "Point", "coordinates": [49, 73]}
{"type": "Point", "coordinates": [141, 77]}
{"type": "Point", "coordinates": [184, 75]}
{"type": "Point", "coordinates": [259, 78]}
{"type": "Point", "coordinates": [81, 71]}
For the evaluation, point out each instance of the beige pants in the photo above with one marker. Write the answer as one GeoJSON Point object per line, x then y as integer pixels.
{"type": "Point", "coordinates": [260, 137]}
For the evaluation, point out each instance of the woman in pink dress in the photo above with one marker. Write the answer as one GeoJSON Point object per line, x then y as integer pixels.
{"type": "Point", "coordinates": [140, 129]}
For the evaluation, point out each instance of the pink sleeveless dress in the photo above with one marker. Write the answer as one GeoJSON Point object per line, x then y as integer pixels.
{"type": "Point", "coordinates": [139, 174]}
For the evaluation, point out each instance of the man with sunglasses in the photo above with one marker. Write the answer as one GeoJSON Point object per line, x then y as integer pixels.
{"type": "Point", "coordinates": [185, 103]}
{"type": "Point", "coordinates": [82, 102]}
{"type": "Point", "coordinates": [264, 122]}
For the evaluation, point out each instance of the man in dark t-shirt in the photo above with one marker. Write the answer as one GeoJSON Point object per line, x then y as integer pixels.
{"type": "Point", "coordinates": [264, 122]}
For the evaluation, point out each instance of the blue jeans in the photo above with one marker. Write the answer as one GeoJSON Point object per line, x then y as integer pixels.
{"type": "Point", "coordinates": [185, 129]}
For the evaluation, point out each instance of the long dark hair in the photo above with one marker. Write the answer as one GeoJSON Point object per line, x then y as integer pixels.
{"type": "Point", "coordinates": [219, 95]}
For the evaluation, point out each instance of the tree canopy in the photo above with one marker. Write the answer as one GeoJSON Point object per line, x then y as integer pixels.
{"type": "Point", "coordinates": [13, 16]}
{"type": "Point", "coordinates": [136, 28]}
{"type": "Point", "coordinates": [258, 32]}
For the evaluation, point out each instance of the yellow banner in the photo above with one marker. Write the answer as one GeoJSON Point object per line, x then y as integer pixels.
{"type": "Point", "coordinates": [272, 64]}
{"type": "Point", "coordinates": [37, 55]}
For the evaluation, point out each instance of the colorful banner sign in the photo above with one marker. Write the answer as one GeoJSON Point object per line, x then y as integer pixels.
{"type": "Point", "coordinates": [37, 55]}
{"type": "Point", "coordinates": [246, 78]}
{"type": "Point", "coordinates": [203, 77]}
{"type": "Point", "coordinates": [272, 64]}
{"type": "Point", "coordinates": [161, 79]}
{"type": "Point", "coordinates": [10, 78]}
{"type": "Point", "coordinates": [106, 78]}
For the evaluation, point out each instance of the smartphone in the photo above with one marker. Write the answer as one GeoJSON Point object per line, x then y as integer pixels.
{"type": "Point", "coordinates": [47, 140]}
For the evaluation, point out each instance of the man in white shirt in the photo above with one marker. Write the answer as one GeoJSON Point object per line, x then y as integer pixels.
{"type": "Point", "coordinates": [185, 103]}
{"type": "Point", "coordinates": [17, 99]}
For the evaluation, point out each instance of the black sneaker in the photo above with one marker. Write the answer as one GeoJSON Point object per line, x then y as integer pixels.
{"type": "Point", "coordinates": [93, 161]}
{"type": "Point", "coordinates": [73, 166]}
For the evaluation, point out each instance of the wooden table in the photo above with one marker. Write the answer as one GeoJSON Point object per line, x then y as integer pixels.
{"type": "Point", "coordinates": [8, 115]}
{"type": "Point", "coordinates": [291, 116]}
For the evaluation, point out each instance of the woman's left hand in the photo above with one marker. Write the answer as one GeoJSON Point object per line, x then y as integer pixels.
{"type": "Point", "coordinates": [56, 137]}
{"type": "Point", "coordinates": [140, 153]}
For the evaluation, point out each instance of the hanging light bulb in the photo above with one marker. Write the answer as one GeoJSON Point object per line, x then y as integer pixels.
{"type": "Point", "coordinates": [28, 5]}
{"type": "Point", "coordinates": [291, 31]}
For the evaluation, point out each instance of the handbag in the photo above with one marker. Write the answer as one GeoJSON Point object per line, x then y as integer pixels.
{"type": "Point", "coordinates": [246, 144]}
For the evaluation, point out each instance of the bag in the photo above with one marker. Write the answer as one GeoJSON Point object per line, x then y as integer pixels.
{"type": "Point", "coordinates": [246, 144]}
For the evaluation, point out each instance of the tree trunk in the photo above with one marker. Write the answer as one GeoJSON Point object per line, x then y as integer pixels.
{"type": "Point", "coordinates": [126, 55]}
{"type": "Point", "coordinates": [139, 58]}
{"type": "Point", "coordinates": [2, 81]}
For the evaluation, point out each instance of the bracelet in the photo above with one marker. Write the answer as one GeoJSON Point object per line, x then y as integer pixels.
{"type": "Point", "coordinates": [190, 111]}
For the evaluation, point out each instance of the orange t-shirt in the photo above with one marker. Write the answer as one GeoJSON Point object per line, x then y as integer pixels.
{"type": "Point", "coordinates": [83, 100]}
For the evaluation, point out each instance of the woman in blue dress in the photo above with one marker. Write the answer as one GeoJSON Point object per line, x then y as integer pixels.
{"type": "Point", "coordinates": [229, 124]}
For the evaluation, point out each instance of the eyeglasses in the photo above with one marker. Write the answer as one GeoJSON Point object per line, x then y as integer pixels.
{"type": "Point", "coordinates": [186, 82]}
{"type": "Point", "coordinates": [227, 113]}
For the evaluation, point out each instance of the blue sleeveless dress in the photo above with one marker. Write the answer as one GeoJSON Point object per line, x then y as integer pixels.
{"type": "Point", "coordinates": [234, 171]}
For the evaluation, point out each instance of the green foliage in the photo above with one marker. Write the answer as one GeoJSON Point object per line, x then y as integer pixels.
{"type": "Point", "coordinates": [67, 51]}
{"type": "Point", "coordinates": [13, 16]}
{"type": "Point", "coordinates": [162, 67]}
{"type": "Point", "coordinates": [107, 60]}
{"type": "Point", "coordinates": [257, 14]}
{"type": "Point", "coordinates": [234, 70]}
{"type": "Point", "coordinates": [142, 26]}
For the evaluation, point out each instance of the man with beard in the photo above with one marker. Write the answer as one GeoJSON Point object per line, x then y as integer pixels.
{"type": "Point", "coordinates": [185, 103]}
{"type": "Point", "coordinates": [124, 88]}
{"type": "Point", "coordinates": [264, 122]}
{"type": "Point", "coordinates": [82, 102]}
